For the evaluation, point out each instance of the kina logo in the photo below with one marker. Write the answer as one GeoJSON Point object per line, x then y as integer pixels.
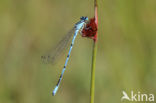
{"type": "Point", "coordinates": [137, 97]}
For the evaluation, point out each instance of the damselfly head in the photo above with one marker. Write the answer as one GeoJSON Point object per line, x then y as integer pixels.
{"type": "Point", "coordinates": [84, 18]}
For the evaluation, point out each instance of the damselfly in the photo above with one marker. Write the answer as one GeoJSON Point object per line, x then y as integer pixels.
{"type": "Point", "coordinates": [50, 58]}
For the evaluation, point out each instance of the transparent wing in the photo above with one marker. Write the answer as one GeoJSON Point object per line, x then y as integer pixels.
{"type": "Point", "coordinates": [55, 53]}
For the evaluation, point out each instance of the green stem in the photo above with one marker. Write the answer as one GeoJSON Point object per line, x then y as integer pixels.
{"type": "Point", "coordinates": [92, 89]}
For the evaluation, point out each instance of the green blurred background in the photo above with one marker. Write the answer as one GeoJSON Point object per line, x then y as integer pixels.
{"type": "Point", "coordinates": [126, 57]}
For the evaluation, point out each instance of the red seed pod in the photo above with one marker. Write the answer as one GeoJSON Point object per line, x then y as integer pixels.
{"type": "Point", "coordinates": [90, 29]}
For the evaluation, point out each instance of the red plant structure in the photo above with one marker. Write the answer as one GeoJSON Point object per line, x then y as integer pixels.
{"type": "Point", "coordinates": [90, 30]}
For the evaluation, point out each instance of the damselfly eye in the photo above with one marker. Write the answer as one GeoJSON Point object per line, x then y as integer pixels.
{"type": "Point", "coordinates": [84, 18]}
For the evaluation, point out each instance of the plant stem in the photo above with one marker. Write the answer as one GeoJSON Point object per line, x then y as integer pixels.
{"type": "Point", "coordinates": [92, 88]}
